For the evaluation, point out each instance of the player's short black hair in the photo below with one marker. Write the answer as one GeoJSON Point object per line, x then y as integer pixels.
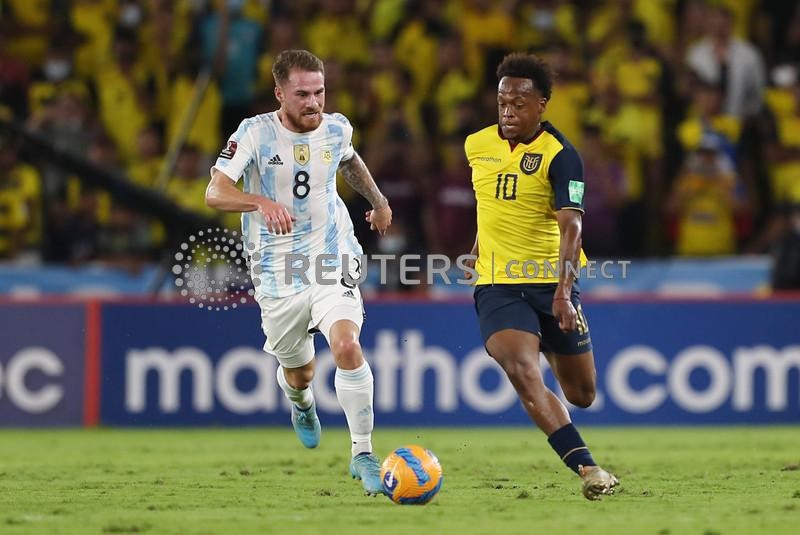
{"type": "Point", "coordinates": [521, 65]}
{"type": "Point", "coordinates": [295, 59]}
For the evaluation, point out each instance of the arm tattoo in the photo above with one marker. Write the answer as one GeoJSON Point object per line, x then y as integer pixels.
{"type": "Point", "coordinates": [357, 175]}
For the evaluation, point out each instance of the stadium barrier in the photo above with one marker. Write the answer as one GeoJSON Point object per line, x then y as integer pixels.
{"type": "Point", "coordinates": [129, 363]}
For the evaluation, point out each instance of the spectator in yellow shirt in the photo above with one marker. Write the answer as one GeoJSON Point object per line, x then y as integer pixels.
{"type": "Point", "coordinates": [93, 20]}
{"type": "Point", "coordinates": [637, 77]}
{"type": "Point", "coordinates": [187, 187]}
{"type": "Point", "coordinates": [706, 116]}
{"type": "Point", "coordinates": [453, 85]}
{"type": "Point", "coordinates": [336, 33]}
{"type": "Point", "coordinates": [417, 42]}
{"type": "Point", "coordinates": [67, 122]}
{"type": "Point", "coordinates": [485, 25]}
{"type": "Point", "coordinates": [145, 168]}
{"type": "Point", "coordinates": [782, 150]}
{"type": "Point", "coordinates": [567, 106]}
{"type": "Point", "coordinates": [20, 203]}
{"type": "Point", "coordinates": [28, 24]}
{"type": "Point", "coordinates": [204, 129]}
{"type": "Point", "coordinates": [125, 95]}
{"type": "Point", "coordinates": [542, 22]}
{"type": "Point", "coordinates": [705, 204]}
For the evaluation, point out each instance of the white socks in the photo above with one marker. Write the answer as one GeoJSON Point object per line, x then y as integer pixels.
{"type": "Point", "coordinates": [303, 398]}
{"type": "Point", "coordinates": [354, 391]}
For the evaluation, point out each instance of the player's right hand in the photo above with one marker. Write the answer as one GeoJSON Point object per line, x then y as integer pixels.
{"type": "Point", "coordinates": [565, 314]}
{"type": "Point", "coordinates": [276, 216]}
{"type": "Point", "coordinates": [470, 263]}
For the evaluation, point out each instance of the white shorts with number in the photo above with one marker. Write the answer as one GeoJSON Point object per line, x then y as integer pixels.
{"type": "Point", "coordinates": [290, 322]}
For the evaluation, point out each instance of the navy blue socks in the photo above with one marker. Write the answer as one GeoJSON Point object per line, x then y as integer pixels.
{"type": "Point", "coordinates": [569, 445]}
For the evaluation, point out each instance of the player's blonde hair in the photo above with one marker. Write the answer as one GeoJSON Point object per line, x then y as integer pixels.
{"type": "Point", "coordinates": [295, 59]}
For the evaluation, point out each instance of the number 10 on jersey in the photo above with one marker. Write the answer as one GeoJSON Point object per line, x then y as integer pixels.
{"type": "Point", "coordinates": [508, 185]}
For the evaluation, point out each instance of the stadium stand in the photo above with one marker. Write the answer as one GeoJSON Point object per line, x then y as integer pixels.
{"type": "Point", "coordinates": [691, 137]}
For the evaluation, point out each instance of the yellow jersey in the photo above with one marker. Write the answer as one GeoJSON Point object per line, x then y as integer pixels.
{"type": "Point", "coordinates": [706, 224]}
{"type": "Point", "coordinates": [518, 191]}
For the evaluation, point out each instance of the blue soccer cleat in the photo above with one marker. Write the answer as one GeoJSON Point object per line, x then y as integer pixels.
{"type": "Point", "coordinates": [306, 425]}
{"type": "Point", "coordinates": [367, 468]}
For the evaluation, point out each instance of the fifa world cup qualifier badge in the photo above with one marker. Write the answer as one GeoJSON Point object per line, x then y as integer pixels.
{"type": "Point", "coordinates": [576, 191]}
{"type": "Point", "coordinates": [530, 163]}
{"type": "Point", "coordinates": [229, 151]}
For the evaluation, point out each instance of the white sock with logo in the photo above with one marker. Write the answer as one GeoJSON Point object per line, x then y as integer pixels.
{"type": "Point", "coordinates": [354, 391]}
{"type": "Point", "coordinates": [302, 397]}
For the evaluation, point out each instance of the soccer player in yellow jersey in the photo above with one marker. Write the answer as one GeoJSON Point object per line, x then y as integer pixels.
{"type": "Point", "coordinates": [529, 186]}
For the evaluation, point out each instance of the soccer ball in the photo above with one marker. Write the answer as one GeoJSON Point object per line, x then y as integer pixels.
{"type": "Point", "coordinates": [411, 475]}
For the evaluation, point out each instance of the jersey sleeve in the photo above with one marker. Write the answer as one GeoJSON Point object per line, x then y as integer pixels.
{"type": "Point", "coordinates": [347, 137]}
{"type": "Point", "coordinates": [237, 154]}
{"type": "Point", "coordinates": [566, 177]}
{"type": "Point", "coordinates": [468, 148]}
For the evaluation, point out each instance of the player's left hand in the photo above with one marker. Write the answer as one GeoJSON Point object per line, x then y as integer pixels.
{"type": "Point", "coordinates": [379, 219]}
{"type": "Point", "coordinates": [565, 314]}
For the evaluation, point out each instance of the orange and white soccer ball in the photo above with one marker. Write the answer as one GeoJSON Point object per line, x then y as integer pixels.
{"type": "Point", "coordinates": [411, 475]}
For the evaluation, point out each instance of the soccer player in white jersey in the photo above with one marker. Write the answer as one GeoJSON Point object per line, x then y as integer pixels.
{"type": "Point", "coordinates": [290, 209]}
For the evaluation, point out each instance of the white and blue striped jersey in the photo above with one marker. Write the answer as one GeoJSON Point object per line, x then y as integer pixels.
{"type": "Point", "coordinates": [297, 170]}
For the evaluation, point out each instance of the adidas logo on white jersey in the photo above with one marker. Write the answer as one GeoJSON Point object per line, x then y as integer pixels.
{"type": "Point", "coordinates": [275, 160]}
{"type": "Point", "coordinates": [349, 293]}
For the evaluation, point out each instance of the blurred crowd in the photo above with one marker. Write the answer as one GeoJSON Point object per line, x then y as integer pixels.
{"type": "Point", "coordinates": [686, 112]}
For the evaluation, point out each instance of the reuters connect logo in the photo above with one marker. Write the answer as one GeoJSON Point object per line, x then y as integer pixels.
{"type": "Point", "coordinates": [212, 269]}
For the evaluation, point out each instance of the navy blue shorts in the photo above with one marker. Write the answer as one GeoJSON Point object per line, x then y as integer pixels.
{"type": "Point", "coordinates": [529, 307]}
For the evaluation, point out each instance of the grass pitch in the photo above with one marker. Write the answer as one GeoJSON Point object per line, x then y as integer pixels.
{"type": "Point", "coordinates": [496, 481]}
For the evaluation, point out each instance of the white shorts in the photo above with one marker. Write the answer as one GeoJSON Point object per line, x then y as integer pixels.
{"type": "Point", "coordinates": [290, 323]}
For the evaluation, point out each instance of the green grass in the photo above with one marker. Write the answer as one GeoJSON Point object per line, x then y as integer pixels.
{"type": "Point", "coordinates": [497, 481]}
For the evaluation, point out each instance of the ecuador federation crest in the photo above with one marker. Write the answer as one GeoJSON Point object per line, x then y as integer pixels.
{"type": "Point", "coordinates": [530, 163]}
{"type": "Point", "coordinates": [302, 153]}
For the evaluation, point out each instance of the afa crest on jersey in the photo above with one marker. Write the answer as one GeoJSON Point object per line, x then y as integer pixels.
{"type": "Point", "coordinates": [530, 163]}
